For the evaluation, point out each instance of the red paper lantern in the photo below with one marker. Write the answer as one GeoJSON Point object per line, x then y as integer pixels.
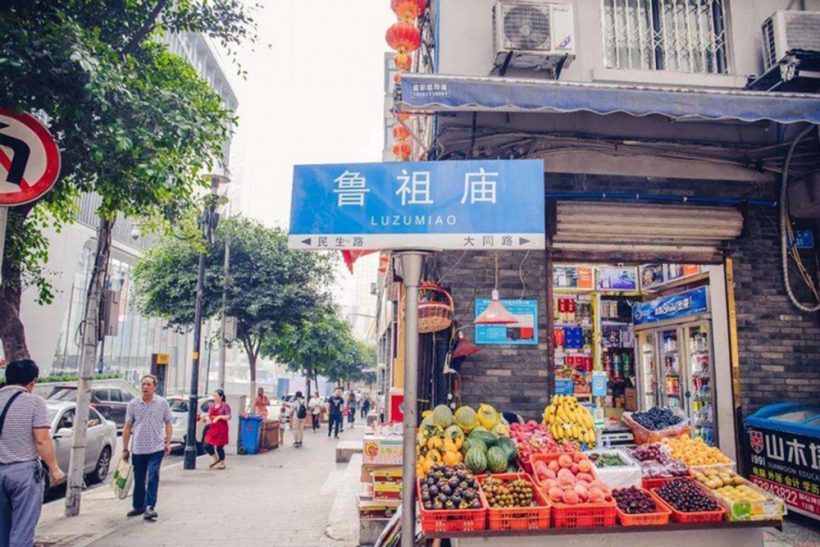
{"type": "Point", "coordinates": [403, 61]}
{"type": "Point", "coordinates": [402, 116]}
{"type": "Point", "coordinates": [397, 78]}
{"type": "Point", "coordinates": [400, 132]}
{"type": "Point", "coordinates": [408, 10]}
{"type": "Point", "coordinates": [403, 37]}
{"type": "Point", "coordinates": [402, 150]}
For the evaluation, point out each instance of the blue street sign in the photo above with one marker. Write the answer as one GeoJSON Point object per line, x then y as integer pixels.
{"type": "Point", "coordinates": [493, 204]}
{"type": "Point", "coordinates": [522, 333]}
{"type": "Point", "coordinates": [674, 306]}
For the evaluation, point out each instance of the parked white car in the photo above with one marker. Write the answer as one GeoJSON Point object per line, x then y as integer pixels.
{"type": "Point", "coordinates": [179, 413]}
{"type": "Point", "coordinates": [100, 441]}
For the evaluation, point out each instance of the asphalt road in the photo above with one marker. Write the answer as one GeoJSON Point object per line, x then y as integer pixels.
{"type": "Point", "coordinates": [58, 493]}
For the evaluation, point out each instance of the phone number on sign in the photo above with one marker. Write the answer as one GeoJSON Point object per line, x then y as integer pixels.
{"type": "Point", "coordinates": [795, 498]}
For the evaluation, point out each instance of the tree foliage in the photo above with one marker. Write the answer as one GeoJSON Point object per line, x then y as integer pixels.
{"type": "Point", "coordinates": [134, 122]}
{"type": "Point", "coordinates": [269, 286]}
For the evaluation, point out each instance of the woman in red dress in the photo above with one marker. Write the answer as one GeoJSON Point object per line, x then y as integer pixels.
{"type": "Point", "coordinates": [217, 436]}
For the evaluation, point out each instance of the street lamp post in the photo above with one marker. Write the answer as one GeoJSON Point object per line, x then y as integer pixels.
{"type": "Point", "coordinates": [208, 224]}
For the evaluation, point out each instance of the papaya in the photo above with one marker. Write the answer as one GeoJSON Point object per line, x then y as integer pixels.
{"type": "Point", "coordinates": [487, 416]}
{"type": "Point", "coordinates": [452, 458]}
{"type": "Point", "coordinates": [434, 443]}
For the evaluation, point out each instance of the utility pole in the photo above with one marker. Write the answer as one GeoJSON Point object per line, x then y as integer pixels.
{"type": "Point", "coordinates": [208, 224]}
{"type": "Point", "coordinates": [226, 270]}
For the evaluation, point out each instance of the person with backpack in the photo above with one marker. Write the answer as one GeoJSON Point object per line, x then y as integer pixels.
{"type": "Point", "coordinates": [297, 419]}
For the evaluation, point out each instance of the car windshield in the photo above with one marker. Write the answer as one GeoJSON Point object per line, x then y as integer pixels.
{"type": "Point", "coordinates": [178, 405]}
{"type": "Point", "coordinates": [65, 395]}
{"type": "Point", "coordinates": [52, 413]}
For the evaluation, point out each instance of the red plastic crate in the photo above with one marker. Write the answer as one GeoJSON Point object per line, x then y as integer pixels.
{"type": "Point", "coordinates": [518, 518]}
{"type": "Point", "coordinates": [648, 483]}
{"type": "Point", "coordinates": [452, 520]}
{"type": "Point", "coordinates": [689, 518]}
{"type": "Point", "coordinates": [657, 518]}
{"type": "Point", "coordinates": [584, 515]}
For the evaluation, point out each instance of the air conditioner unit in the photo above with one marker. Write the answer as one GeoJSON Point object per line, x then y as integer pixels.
{"type": "Point", "coordinates": [533, 35]}
{"type": "Point", "coordinates": [789, 31]}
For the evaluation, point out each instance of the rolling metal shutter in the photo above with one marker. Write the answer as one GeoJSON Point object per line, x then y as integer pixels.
{"type": "Point", "coordinates": [637, 232]}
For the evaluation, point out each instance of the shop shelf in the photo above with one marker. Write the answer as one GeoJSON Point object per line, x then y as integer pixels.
{"type": "Point", "coordinates": [452, 520]}
{"type": "Point", "coordinates": [518, 518]}
{"type": "Point", "coordinates": [658, 518]}
{"type": "Point", "coordinates": [691, 518]}
{"type": "Point", "coordinates": [584, 515]}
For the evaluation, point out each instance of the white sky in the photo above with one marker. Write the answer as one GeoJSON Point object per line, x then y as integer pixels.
{"type": "Point", "coordinates": [315, 96]}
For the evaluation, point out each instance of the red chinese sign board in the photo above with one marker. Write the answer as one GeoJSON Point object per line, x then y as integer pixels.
{"type": "Point", "coordinates": [788, 466]}
{"type": "Point", "coordinates": [29, 159]}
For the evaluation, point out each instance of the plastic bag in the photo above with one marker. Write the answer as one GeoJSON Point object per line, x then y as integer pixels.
{"type": "Point", "coordinates": [645, 436]}
{"type": "Point", "coordinates": [122, 479]}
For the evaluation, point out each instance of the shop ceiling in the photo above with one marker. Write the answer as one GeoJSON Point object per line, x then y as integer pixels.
{"type": "Point", "coordinates": [615, 130]}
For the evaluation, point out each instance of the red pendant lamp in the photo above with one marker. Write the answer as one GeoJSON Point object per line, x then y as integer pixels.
{"type": "Point", "coordinates": [495, 313]}
{"type": "Point", "coordinates": [408, 10]}
{"type": "Point", "coordinates": [465, 347]}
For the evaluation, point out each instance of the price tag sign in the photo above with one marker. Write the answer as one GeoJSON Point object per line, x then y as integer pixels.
{"type": "Point", "coordinates": [598, 384]}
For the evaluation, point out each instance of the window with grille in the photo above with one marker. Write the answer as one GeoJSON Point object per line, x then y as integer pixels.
{"type": "Point", "coordinates": [673, 35]}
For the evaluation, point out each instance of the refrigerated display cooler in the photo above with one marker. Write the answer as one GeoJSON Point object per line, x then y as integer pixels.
{"type": "Point", "coordinates": [676, 358]}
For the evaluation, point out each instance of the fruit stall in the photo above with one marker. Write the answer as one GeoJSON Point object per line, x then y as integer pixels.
{"type": "Point", "coordinates": [481, 479]}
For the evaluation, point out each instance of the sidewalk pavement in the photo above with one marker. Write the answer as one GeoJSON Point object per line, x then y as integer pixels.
{"type": "Point", "coordinates": [289, 496]}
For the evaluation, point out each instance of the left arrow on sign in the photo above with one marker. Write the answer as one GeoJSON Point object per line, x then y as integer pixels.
{"type": "Point", "coordinates": [19, 159]}
{"type": "Point", "coordinates": [306, 241]}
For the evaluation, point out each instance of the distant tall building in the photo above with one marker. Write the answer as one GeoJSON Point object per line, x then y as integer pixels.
{"type": "Point", "coordinates": [357, 298]}
{"type": "Point", "coordinates": [53, 331]}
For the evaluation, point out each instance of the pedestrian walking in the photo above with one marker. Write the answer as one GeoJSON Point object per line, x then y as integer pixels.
{"type": "Point", "coordinates": [365, 407]}
{"type": "Point", "coordinates": [25, 438]}
{"type": "Point", "coordinates": [219, 414]}
{"type": "Point", "coordinates": [335, 403]}
{"type": "Point", "coordinates": [297, 419]}
{"type": "Point", "coordinates": [148, 420]}
{"type": "Point", "coordinates": [262, 403]}
{"type": "Point", "coordinates": [351, 409]}
{"type": "Point", "coordinates": [315, 406]}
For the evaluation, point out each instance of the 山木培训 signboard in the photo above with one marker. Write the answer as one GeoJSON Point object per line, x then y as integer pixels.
{"type": "Point", "coordinates": [467, 205]}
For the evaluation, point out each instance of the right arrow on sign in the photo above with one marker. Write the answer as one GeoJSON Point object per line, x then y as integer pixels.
{"type": "Point", "coordinates": [522, 241]}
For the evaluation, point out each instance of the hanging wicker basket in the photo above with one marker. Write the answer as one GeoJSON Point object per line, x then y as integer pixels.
{"type": "Point", "coordinates": [435, 308]}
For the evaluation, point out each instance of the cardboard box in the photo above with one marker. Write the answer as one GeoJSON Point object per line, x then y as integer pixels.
{"type": "Point", "coordinates": [382, 449]}
{"type": "Point", "coordinates": [369, 468]}
{"type": "Point", "coordinates": [377, 509]}
{"type": "Point", "coordinates": [387, 491]}
{"type": "Point", "coordinates": [631, 396]}
{"type": "Point", "coordinates": [387, 474]}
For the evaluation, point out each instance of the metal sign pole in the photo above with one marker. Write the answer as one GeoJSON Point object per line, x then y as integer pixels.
{"type": "Point", "coordinates": [411, 263]}
{"type": "Point", "coordinates": [4, 213]}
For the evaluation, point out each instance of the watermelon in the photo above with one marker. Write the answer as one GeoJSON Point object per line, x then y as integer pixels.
{"type": "Point", "coordinates": [473, 443]}
{"type": "Point", "coordinates": [509, 448]}
{"type": "Point", "coordinates": [487, 437]}
{"type": "Point", "coordinates": [497, 459]}
{"type": "Point", "coordinates": [443, 416]}
{"type": "Point", "coordinates": [475, 460]}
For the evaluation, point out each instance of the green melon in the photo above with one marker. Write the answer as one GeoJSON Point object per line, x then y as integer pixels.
{"type": "Point", "coordinates": [443, 416]}
{"type": "Point", "coordinates": [487, 437]}
{"type": "Point", "coordinates": [466, 418]}
{"type": "Point", "coordinates": [497, 459]}
{"type": "Point", "coordinates": [475, 460]}
{"type": "Point", "coordinates": [509, 448]}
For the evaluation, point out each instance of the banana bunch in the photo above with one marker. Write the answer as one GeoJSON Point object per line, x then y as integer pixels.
{"type": "Point", "coordinates": [568, 420]}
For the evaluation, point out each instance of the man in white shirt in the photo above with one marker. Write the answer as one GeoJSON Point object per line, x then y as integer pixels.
{"type": "Point", "coordinates": [315, 406]}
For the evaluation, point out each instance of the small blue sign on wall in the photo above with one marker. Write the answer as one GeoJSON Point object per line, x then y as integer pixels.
{"type": "Point", "coordinates": [522, 333]}
{"type": "Point", "coordinates": [804, 239]}
{"type": "Point", "coordinates": [598, 383]}
{"type": "Point", "coordinates": [674, 306]}
{"type": "Point", "coordinates": [467, 205]}
{"type": "Point", "coordinates": [564, 387]}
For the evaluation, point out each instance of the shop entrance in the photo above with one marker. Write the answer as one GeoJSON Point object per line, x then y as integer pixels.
{"type": "Point", "coordinates": [658, 333]}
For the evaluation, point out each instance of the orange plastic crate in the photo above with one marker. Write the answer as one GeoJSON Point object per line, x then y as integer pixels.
{"type": "Point", "coordinates": [584, 515]}
{"type": "Point", "coordinates": [518, 518]}
{"type": "Point", "coordinates": [689, 518]}
{"type": "Point", "coordinates": [658, 518]}
{"type": "Point", "coordinates": [452, 520]}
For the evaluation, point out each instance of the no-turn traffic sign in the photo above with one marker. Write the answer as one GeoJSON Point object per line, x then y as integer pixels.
{"type": "Point", "coordinates": [29, 159]}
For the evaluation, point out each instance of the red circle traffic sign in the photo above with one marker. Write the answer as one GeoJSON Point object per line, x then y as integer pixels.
{"type": "Point", "coordinates": [29, 159]}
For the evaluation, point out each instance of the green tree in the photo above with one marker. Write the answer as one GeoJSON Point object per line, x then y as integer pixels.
{"type": "Point", "coordinates": [315, 346]}
{"type": "Point", "coordinates": [134, 122]}
{"type": "Point", "coordinates": [269, 286]}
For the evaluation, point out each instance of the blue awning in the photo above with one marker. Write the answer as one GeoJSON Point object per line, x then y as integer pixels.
{"type": "Point", "coordinates": [441, 93]}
